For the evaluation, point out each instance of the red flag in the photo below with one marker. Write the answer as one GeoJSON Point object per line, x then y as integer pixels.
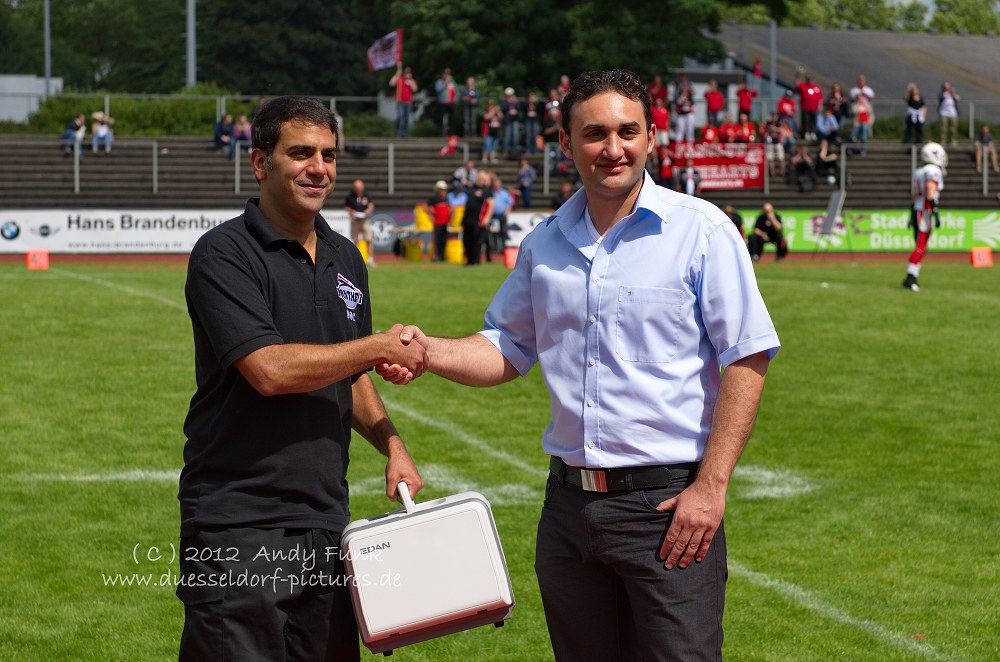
{"type": "Point", "coordinates": [386, 51]}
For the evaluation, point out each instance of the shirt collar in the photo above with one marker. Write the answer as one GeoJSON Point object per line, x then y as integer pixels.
{"type": "Point", "coordinates": [265, 234]}
{"type": "Point", "coordinates": [571, 221]}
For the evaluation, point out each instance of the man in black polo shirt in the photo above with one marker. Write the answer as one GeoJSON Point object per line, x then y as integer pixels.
{"type": "Point", "coordinates": [283, 339]}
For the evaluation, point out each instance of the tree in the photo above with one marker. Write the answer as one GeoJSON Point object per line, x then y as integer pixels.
{"type": "Point", "coordinates": [971, 16]}
{"type": "Point", "coordinates": [288, 47]}
{"type": "Point", "coordinates": [516, 43]}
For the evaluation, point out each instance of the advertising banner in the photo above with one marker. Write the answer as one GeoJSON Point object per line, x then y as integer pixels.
{"type": "Point", "coordinates": [119, 230]}
{"type": "Point", "coordinates": [882, 231]}
{"type": "Point", "coordinates": [99, 231]}
{"type": "Point", "coordinates": [724, 165]}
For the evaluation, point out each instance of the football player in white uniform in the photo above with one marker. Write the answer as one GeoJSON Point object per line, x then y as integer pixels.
{"type": "Point", "coordinates": [928, 180]}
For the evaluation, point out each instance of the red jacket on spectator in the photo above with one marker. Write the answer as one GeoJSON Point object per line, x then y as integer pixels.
{"type": "Point", "coordinates": [810, 96]}
{"type": "Point", "coordinates": [709, 134]}
{"type": "Point", "coordinates": [746, 96]}
{"type": "Point", "coordinates": [728, 132]}
{"type": "Point", "coordinates": [746, 132]}
{"type": "Point", "coordinates": [786, 107]}
{"type": "Point", "coordinates": [661, 117]}
{"type": "Point", "coordinates": [714, 101]}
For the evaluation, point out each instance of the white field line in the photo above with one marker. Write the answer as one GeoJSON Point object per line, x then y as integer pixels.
{"type": "Point", "coordinates": [458, 433]}
{"type": "Point", "coordinates": [121, 288]}
{"type": "Point", "coordinates": [440, 478]}
{"type": "Point", "coordinates": [768, 484]}
{"type": "Point", "coordinates": [830, 612]}
{"type": "Point", "coordinates": [135, 475]}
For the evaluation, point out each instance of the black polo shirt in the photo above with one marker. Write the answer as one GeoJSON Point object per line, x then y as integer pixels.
{"type": "Point", "coordinates": [278, 461]}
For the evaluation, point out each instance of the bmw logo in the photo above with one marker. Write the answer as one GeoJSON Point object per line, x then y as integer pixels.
{"type": "Point", "coordinates": [10, 230]}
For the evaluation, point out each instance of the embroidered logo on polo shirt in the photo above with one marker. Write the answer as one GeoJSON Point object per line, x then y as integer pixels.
{"type": "Point", "coordinates": [349, 294]}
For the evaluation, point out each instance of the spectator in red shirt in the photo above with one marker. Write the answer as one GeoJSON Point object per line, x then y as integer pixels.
{"type": "Point", "coordinates": [729, 130]}
{"type": "Point", "coordinates": [746, 97]}
{"type": "Point", "coordinates": [661, 120]}
{"type": "Point", "coordinates": [786, 111]}
{"type": "Point", "coordinates": [810, 98]}
{"type": "Point", "coordinates": [710, 134]}
{"type": "Point", "coordinates": [746, 130]}
{"type": "Point", "coordinates": [657, 90]}
{"type": "Point", "coordinates": [714, 101]}
{"type": "Point", "coordinates": [405, 86]}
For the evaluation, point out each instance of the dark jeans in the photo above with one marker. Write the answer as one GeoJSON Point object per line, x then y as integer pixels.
{"type": "Point", "coordinates": [440, 241]}
{"type": "Point", "coordinates": [605, 591]}
{"type": "Point", "coordinates": [403, 119]}
{"type": "Point", "coordinates": [914, 131]}
{"type": "Point", "coordinates": [242, 603]}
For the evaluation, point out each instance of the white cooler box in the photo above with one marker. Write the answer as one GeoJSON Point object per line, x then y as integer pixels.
{"type": "Point", "coordinates": [432, 569]}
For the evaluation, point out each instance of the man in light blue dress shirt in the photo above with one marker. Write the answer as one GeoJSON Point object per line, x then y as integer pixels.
{"type": "Point", "coordinates": [641, 306]}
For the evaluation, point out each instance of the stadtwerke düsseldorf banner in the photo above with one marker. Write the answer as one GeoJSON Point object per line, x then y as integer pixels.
{"type": "Point", "coordinates": [176, 231]}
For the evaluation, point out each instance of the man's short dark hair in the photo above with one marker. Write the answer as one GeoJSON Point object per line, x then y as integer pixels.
{"type": "Point", "coordinates": [592, 83]}
{"type": "Point", "coordinates": [272, 116]}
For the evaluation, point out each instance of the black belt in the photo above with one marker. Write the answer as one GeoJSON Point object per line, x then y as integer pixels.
{"type": "Point", "coordinates": [619, 480]}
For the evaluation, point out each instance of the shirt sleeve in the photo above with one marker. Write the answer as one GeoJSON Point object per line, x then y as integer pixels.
{"type": "Point", "coordinates": [226, 301]}
{"type": "Point", "coordinates": [736, 320]}
{"type": "Point", "coordinates": [509, 322]}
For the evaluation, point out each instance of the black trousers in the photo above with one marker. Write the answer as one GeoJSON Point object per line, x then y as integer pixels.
{"type": "Point", "coordinates": [756, 244]}
{"type": "Point", "coordinates": [605, 591]}
{"type": "Point", "coordinates": [440, 241]}
{"type": "Point", "coordinates": [265, 594]}
{"type": "Point", "coordinates": [471, 242]}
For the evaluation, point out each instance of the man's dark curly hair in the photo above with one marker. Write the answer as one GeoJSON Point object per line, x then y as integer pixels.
{"type": "Point", "coordinates": [592, 83]}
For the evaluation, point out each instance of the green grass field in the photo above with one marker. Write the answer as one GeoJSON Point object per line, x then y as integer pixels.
{"type": "Point", "coordinates": [862, 521]}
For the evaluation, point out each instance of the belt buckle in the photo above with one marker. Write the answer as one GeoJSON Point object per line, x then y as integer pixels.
{"type": "Point", "coordinates": [593, 480]}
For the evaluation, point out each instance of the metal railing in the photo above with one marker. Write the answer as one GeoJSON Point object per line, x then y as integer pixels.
{"type": "Point", "coordinates": [549, 154]}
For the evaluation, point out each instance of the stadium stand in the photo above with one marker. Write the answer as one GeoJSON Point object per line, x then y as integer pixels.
{"type": "Point", "coordinates": [35, 174]}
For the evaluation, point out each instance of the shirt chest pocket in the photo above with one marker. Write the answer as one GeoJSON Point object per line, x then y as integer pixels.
{"type": "Point", "coordinates": [649, 323]}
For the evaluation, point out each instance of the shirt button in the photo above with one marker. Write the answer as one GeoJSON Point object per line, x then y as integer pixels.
{"type": "Point", "coordinates": [591, 362]}
{"type": "Point", "coordinates": [593, 319]}
{"type": "Point", "coordinates": [597, 279]}
{"type": "Point", "coordinates": [302, 260]}
{"type": "Point", "coordinates": [590, 403]}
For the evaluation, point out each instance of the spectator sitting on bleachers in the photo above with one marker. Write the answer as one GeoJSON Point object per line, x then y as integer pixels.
{"type": "Point", "coordinates": [746, 131]}
{"type": "Point", "coordinates": [984, 147]}
{"type": "Point", "coordinates": [72, 136]}
{"type": "Point", "coordinates": [826, 162]}
{"type": "Point", "coordinates": [827, 126]}
{"type": "Point", "coordinates": [801, 170]}
{"type": "Point", "coordinates": [710, 134]}
{"type": "Point", "coordinates": [241, 134]}
{"type": "Point", "coordinates": [223, 137]}
{"type": "Point", "coordinates": [729, 130]}
{"type": "Point", "coordinates": [100, 132]}
{"type": "Point", "coordinates": [786, 111]}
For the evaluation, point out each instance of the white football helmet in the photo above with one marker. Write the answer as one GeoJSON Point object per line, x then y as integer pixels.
{"type": "Point", "coordinates": [934, 154]}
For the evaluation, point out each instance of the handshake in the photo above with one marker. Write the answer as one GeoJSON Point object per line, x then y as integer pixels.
{"type": "Point", "coordinates": [406, 355]}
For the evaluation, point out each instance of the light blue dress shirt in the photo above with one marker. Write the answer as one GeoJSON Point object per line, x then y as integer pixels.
{"type": "Point", "coordinates": [502, 200]}
{"type": "Point", "coordinates": [631, 332]}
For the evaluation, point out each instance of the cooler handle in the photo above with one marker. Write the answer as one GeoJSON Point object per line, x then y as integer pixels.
{"type": "Point", "coordinates": [404, 494]}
